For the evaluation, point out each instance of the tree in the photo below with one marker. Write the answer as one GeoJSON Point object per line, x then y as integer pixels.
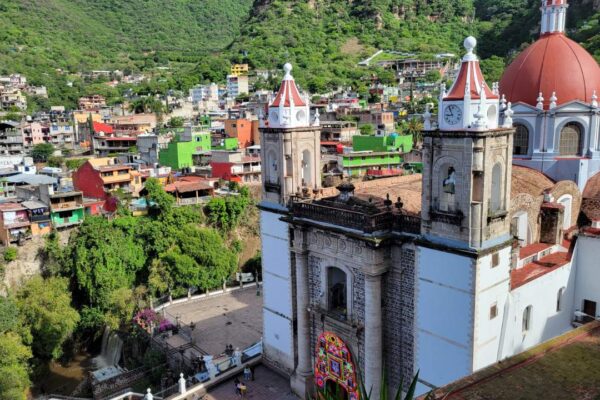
{"type": "Point", "coordinates": [14, 371]}
{"type": "Point", "coordinates": [163, 201]}
{"type": "Point", "coordinates": [433, 76]}
{"type": "Point", "coordinates": [492, 68]}
{"type": "Point", "coordinates": [9, 315]}
{"type": "Point", "coordinates": [176, 122]}
{"type": "Point", "coordinates": [42, 151]}
{"type": "Point", "coordinates": [45, 305]}
{"type": "Point", "coordinates": [102, 257]}
{"type": "Point", "coordinates": [366, 129]}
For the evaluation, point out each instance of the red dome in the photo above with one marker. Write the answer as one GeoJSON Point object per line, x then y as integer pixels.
{"type": "Point", "coordinates": [554, 63]}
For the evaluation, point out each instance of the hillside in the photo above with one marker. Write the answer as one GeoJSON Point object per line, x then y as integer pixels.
{"type": "Point", "coordinates": [198, 39]}
{"type": "Point", "coordinates": [38, 36]}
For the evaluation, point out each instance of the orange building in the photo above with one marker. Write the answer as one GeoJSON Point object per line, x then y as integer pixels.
{"type": "Point", "coordinates": [241, 129]}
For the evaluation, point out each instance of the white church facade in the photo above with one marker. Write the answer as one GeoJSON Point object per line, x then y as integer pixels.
{"type": "Point", "coordinates": [445, 273]}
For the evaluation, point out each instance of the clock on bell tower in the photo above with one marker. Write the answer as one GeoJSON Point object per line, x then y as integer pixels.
{"type": "Point", "coordinates": [467, 163]}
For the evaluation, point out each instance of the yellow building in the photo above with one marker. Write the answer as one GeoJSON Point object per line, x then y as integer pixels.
{"type": "Point", "coordinates": [239, 69]}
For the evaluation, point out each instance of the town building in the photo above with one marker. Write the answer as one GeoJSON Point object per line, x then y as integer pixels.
{"type": "Point", "coordinates": [39, 217]}
{"type": "Point", "coordinates": [338, 131]}
{"type": "Point", "coordinates": [243, 129]}
{"type": "Point", "coordinates": [66, 206]}
{"type": "Point", "coordinates": [12, 98]}
{"type": "Point", "coordinates": [190, 190]}
{"type": "Point", "coordinates": [236, 85]}
{"type": "Point", "coordinates": [128, 125]}
{"type": "Point", "coordinates": [98, 177]}
{"type": "Point", "coordinates": [91, 103]}
{"type": "Point", "coordinates": [235, 166]}
{"type": "Point", "coordinates": [14, 223]}
{"type": "Point", "coordinates": [375, 155]}
{"type": "Point", "coordinates": [11, 138]}
{"type": "Point", "coordinates": [239, 69]}
{"type": "Point", "coordinates": [34, 133]}
{"type": "Point", "coordinates": [180, 153]}
{"type": "Point", "coordinates": [553, 86]}
{"type": "Point", "coordinates": [62, 134]}
{"type": "Point", "coordinates": [443, 273]}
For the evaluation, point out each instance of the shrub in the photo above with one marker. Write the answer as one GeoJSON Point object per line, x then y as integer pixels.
{"type": "Point", "coordinates": [10, 254]}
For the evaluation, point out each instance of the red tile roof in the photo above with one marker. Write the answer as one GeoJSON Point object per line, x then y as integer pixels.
{"type": "Point", "coordinates": [532, 249]}
{"type": "Point", "coordinates": [533, 270]}
{"type": "Point", "coordinates": [100, 127]}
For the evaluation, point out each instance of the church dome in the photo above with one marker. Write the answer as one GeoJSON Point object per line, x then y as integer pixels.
{"type": "Point", "coordinates": [553, 64]}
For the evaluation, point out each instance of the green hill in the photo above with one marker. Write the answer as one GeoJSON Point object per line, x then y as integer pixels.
{"type": "Point", "coordinates": [198, 39]}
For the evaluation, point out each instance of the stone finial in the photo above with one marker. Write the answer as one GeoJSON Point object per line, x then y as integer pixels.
{"type": "Point", "coordinates": [503, 103]}
{"type": "Point", "coordinates": [496, 88]}
{"type": "Point", "coordinates": [148, 395]}
{"type": "Point", "coordinates": [540, 102]}
{"type": "Point", "coordinates": [316, 120]}
{"type": "Point", "coordinates": [182, 382]}
{"type": "Point", "coordinates": [470, 43]}
{"type": "Point", "coordinates": [399, 204]}
{"type": "Point", "coordinates": [553, 100]}
{"type": "Point", "coordinates": [387, 202]}
{"type": "Point", "coordinates": [479, 117]}
{"type": "Point", "coordinates": [287, 69]}
{"type": "Point", "coordinates": [594, 99]}
{"type": "Point", "coordinates": [508, 113]}
{"type": "Point", "coordinates": [443, 89]}
{"type": "Point", "coordinates": [427, 117]}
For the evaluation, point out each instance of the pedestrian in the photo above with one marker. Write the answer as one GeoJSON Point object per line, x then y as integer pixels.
{"type": "Point", "coordinates": [237, 383]}
{"type": "Point", "coordinates": [247, 373]}
{"type": "Point", "coordinates": [252, 372]}
{"type": "Point", "coordinates": [243, 390]}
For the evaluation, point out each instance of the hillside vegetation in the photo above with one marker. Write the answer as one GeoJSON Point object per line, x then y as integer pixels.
{"type": "Point", "coordinates": [197, 39]}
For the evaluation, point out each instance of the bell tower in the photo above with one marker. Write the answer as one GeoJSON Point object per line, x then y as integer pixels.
{"type": "Point", "coordinates": [290, 150]}
{"type": "Point", "coordinates": [290, 145]}
{"type": "Point", "coordinates": [464, 253]}
{"type": "Point", "coordinates": [467, 163]}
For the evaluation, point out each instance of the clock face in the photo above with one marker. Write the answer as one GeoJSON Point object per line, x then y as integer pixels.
{"type": "Point", "coordinates": [452, 114]}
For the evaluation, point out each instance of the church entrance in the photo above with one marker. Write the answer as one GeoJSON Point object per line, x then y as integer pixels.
{"type": "Point", "coordinates": [335, 372]}
{"type": "Point", "coordinates": [335, 391]}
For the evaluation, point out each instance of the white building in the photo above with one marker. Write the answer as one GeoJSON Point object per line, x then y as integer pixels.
{"type": "Point", "coordinates": [236, 85]}
{"type": "Point", "coordinates": [474, 262]}
{"type": "Point", "coordinates": [554, 86]}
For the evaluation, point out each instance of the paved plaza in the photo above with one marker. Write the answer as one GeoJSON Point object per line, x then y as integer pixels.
{"type": "Point", "coordinates": [231, 318]}
{"type": "Point", "coordinates": [267, 385]}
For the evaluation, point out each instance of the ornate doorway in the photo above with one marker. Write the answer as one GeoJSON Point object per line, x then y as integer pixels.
{"type": "Point", "coordinates": [334, 369]}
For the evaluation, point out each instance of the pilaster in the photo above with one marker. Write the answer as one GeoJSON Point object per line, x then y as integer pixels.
{"type": "Point", "coordinates": [373, 335]}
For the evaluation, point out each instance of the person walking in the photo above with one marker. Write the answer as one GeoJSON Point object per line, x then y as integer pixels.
{"type": "Point", "coordinates": [237, 384]}
{"type": "Point", "coordinates": [246, 373]}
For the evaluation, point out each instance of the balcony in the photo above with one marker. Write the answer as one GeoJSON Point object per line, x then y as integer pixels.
{"type": "Point", "coordinates": [385, 220]}
{"type": "Point", "coordinates": [40, 218]}
{"type": "Point", "coordinates": [63, 206]}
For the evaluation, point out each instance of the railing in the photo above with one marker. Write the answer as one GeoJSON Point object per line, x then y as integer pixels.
{"type": "Point", "coordinates": [368, 223]}
{"type": "Point", "coordinates": [407, 223]}
{"type": "Point", "coordinates": [40, 218]}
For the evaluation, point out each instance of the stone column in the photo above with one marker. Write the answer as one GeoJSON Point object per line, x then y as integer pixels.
{"type": "Point", "coordinates": [373, 335]}
{"type": "Point", "coordinates": [301, 380]}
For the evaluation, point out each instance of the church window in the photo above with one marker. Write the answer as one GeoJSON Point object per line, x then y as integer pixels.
{"type": "Point", "coordinates": [495, 260]}
{"type": "Point", "coordinates": [570, 140]}
{"type": "Point", "coordinates": [306, 168]}
{"type": "Point", "coordinates": [526, 319]}
{"type": "Point", "coordinates": [493, 311]}
{"type": "Point", "coordinates": [559, 297]}
{"type": "Point", "coordinates": [521, 140]}
{"type": "Point", "coordinates": [336, 288]}
{"type": "Point", "coordinates": [496, 201]}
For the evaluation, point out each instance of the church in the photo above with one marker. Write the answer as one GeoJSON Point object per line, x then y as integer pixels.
{"type": "Point", "coordinates": [484, 255]}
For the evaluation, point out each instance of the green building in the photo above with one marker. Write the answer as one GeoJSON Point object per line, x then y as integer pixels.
{"type": "Point", "coordinates": [179, 154]}
{"type": "Point", "coordinates": [227, 144]}
{"type": "Point", "coordinates": [379, 153]}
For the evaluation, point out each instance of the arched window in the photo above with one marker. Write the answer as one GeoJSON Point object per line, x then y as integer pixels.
{"type": "Point", "coordinates": [496, 200]}
{"type": "Point", "coordinates": [521, 140]}
{"type": "Point", "coordinates": [570, 140]}
{"type": "Point", "coordinates": [526, 319]}
{"type": "Point", "coordinates": [271, 167]}
{"type": "Point", "coordinates": [336, 289]}
{"type": "Point", "coordinates": [306, 169]}
{"type": "Point", "coordinates": [447, 201]}
{"type": "Point", "coordinates": [559, 296]}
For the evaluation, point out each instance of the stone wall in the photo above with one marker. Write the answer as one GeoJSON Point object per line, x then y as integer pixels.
{"type": "Point", "coordinates": [398, 303]}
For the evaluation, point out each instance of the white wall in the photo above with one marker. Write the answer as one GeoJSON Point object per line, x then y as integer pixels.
{"type": "Point", "coordinates": [444, 323]}
{"type": "Point", "coordinates": [587, 280]}
{"type": "Point", "coordinates": [277, 303]}
{"type": "Point", "coordinates": [546, 322]}
{"type": "Point", "coordinates": [493, 284]}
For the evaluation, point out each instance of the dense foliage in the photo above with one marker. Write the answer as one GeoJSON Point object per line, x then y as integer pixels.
{"type": "Point", "coordinates": [195, 41]}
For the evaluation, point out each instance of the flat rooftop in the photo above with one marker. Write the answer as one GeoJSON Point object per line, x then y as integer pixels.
{"type": "Point", "coordinates": [566, 367]}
